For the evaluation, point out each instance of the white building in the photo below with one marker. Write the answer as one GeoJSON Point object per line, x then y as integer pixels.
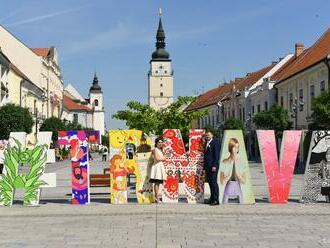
{"type": "Point", "coordinates": [87, 112]}
{"type": "Point", "coordinates": [160, 76]}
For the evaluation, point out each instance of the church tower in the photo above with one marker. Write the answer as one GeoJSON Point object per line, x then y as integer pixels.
{"type": "Point", "coordinates": [96, 101]}
{"type": "Point", "coordinates": [160, 76]}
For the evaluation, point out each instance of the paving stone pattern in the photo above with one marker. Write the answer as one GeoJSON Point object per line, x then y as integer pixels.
{"type": "Point", "coordinates": [56, 223]}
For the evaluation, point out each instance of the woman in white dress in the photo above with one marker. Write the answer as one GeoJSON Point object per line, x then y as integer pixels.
{"type": "Point", "coordinates": [158, 174]}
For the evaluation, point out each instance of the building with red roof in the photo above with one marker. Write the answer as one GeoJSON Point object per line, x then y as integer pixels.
{"type": "Point", "coordinates": [306, 76]}
{"type": "Point", "coordinates": [88, 112]}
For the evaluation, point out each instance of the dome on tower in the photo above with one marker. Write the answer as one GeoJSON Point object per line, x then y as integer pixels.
{"type": "Point", "coordinates": [95, 88]}
{"type": "Point", "coordinates": [160, 53]}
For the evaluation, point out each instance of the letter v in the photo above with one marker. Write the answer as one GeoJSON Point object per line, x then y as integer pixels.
{"type": "Point", "coordinates": [278, 175]}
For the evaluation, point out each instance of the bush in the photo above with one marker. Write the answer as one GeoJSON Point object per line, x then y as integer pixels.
{"type": "Point", "coordinates": [14, 118]}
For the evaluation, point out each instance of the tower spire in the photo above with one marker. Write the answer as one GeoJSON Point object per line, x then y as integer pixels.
{"type": "Point", "coordinates": [160, 53]}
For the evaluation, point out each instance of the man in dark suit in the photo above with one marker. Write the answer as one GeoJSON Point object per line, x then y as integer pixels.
{"type": "Point", "coordinates": [211, 166]}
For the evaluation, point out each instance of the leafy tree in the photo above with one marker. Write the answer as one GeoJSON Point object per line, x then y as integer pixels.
{"type": "Point", "coordinates": [321, 111]}
{"type": "Point", "coordinates": [139, 116]}
{"type": "Point", "coordinates": [53, 124]}
{"type": "Point", "coordinates": [143, 117]}
{"type": "Point", "coordinates": [234, 124]}
{"type": "Point", "coordinates": [174, 117]}
{"type": "Point", "coordinates": [105, 140]}
{"type": "Point", "coordinates": [276, 118]}
{"type": "Point", "coordinates": [14, 118]}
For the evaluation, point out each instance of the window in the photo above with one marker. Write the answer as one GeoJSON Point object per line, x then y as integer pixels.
{"type": "Point", "coordinates": [156, 72]}
{"type": "Point", "coordinates": [165, 72]}
{"type": "Point", "coordinates": [266, 105]}
{"type": "Point", "coordinates": [75, 118]}
{"type": "Point", "coordinates": [252, 109]}
{"type": "Point", "coordinates": [233, 113]}
{"type": "Point", "coordinates": [291, 100]}
{"type": "Point", "coordinates": [322, 86]}
{"type": "Point", "coordinates": [258, 108]}
{"type": "Point", "coordinates": [301, 94]}
{"type": "Point", "coordinates": [282, 101]}
{"type": "Point", "coordinates": [161, 94]}
{"type": "Point", "coordinates": [312, 91]}
{"type": "Point", "coordinates": [96, 102]}
{"type": "Point", "coordinates": [161, 85]}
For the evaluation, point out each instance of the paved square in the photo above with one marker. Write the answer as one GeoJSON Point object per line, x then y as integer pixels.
{"type": "Point", "coordinates": [57, 223]}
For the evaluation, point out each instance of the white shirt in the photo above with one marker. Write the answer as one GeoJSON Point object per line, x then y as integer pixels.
{"type": "Point", "coordinates": [208, 143]}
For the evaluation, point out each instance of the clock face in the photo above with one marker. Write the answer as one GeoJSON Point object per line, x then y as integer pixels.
{"type": "Point", "coordinates": [161, 69]}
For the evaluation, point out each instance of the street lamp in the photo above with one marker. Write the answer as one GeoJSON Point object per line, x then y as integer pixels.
{"type": "Point", "coordinates": [249, 132]}
{"type": "Point", "coordinates": [294, 110]}
{"type": "Point", "coordinates": [220, 110]}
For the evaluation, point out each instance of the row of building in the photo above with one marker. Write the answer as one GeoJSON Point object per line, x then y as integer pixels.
{"type": "Point", "coordinates": [291, 81]}
{"type": "Point", "coordinates": [32, 78]}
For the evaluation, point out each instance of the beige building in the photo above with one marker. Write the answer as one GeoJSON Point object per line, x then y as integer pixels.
{"type": "Point", "coordinates": [160, 76]}
{"type": "Point", "coordinates": [30, 78]}
{"type": "Point", "coordinates": [306, 76]}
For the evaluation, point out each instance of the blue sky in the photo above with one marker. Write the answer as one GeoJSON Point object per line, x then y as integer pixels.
{"type": "Point", "coordinates": [209, 40]}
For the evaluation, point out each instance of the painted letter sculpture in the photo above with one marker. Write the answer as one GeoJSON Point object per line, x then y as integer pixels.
{"type": "Point", "coordinates": [317, 175]}
{"type": "Point", "coordinates": [189, 167]}
{"type": "Point", "coordinates": [78, 142]}
{"type": "Point", "coordinates": [130, 153]}
{"type": "Point", "coordinates": [17, 155]}
{"type": "Point", "coordinates": [278, 173]}
{"type": "Point", "coordinates": [234, 172]}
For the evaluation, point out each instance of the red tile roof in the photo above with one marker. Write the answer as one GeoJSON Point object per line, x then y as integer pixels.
{"type": "Point", "coordinates": [253, 77]}
{"type": "Point", "coordinates": [69, 104]}
{"type": "Point", "coordinates": [220, 93]}
{"type": "Point", "coordinates": [210, 97]}
{"type": "Point", "coordinates": [43, 52]}
{"type": "Point", "coordinates": [311, 56]}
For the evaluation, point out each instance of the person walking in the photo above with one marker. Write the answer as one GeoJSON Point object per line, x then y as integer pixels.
{"type": "Point", "coordinates": [211, 166]}
{"type": "Point", "coordinates": [157, 174]}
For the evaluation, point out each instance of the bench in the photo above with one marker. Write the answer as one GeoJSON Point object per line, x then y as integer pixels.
{"type": "Point", "coordinates": [100, 180]}
{"type": "Point", "coordinates": [103, 180]}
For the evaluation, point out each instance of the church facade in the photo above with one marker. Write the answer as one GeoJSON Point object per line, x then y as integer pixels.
{"type": "Point", "coordinates": [160, 76]}
{"type": "Point", "coordinates": [88, 112]}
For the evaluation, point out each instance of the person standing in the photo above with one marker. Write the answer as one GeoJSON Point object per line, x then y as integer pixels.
{"type": "Point", "coordinates": [105, 153]}
{"type": "Point", "coordinates": [158, 174]}
{"type": "Point", "coordinates": [211, 166]}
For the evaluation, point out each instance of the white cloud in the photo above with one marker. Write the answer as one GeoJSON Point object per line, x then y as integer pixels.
{"type": "Point", "coordinates": [43, 17]}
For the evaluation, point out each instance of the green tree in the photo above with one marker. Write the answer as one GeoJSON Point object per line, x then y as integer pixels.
{"type": "Point", "coordinates": [139, 116]}
{"type": "Point", "coordinates": [14, 118]}
{"type": "Point", "coordinates": [105, 140]}
{"type": "Point", "coordinates": [234, 124]}
{"type": "Point", "coordinates": [143, 117]}
{"type": "Point", "coordinates": [54, 125]}
{"type": "Point", "coordinates": [174, 116]}
{"type": "Point", "coordinates": [276, 118]}
{"type": "Point", "coordinates": [321, 111]}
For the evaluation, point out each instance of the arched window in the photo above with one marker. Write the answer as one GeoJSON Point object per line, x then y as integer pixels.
{"type": "Point", "coordinates": [96, 102]}
{"type": "Point", "coordinates": [161, 94]}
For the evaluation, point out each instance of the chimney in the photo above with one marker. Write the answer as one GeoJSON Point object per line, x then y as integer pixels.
{"type": "Point", "coordinates": [299, 48]}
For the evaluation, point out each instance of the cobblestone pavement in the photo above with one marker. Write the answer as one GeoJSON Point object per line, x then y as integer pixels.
{"type": "Point", "coordinates": [56, 223]}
